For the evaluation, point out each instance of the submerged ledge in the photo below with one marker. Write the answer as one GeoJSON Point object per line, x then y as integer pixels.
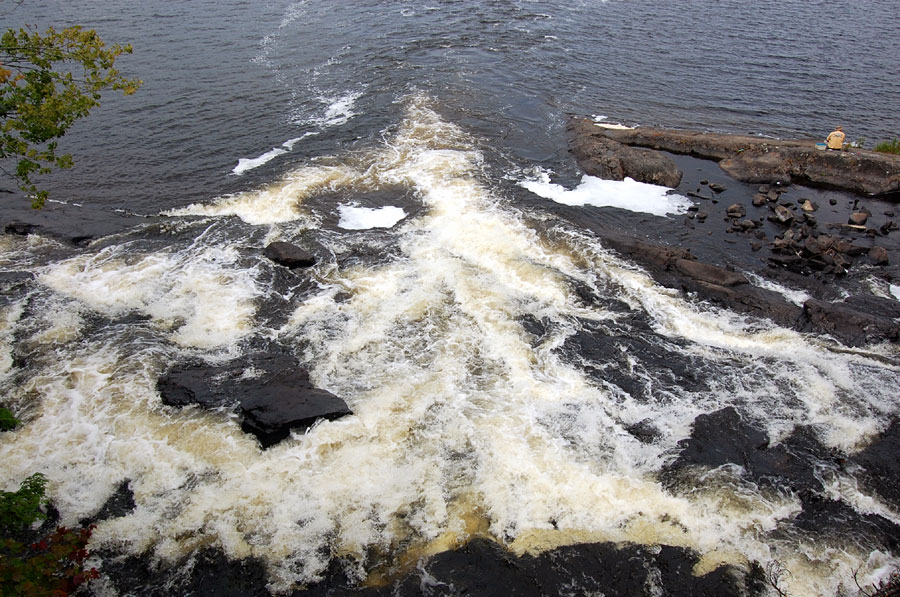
{"type": "Point", "coordinates": [600, 151]}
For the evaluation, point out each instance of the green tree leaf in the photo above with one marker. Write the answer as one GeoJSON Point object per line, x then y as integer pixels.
{"type": "Point", "coordinates": [47, 82]}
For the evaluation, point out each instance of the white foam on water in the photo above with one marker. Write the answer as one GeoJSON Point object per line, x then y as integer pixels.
{"type": "Point", "coordinates": [463, 420]}
{"type": "Point", "coordinates": [63, 202]}
{"type": "Point", "coordinates": [278, 203]}
{"type": "Point", "coordinates": [100, 423]}
{"type": "Point", "coordinates": [199, 295]}
{"type": "Point", "coordinates": [365, 218]}
{"type": "Point", "coordinates": [615, 127]}
{"type": "Point", "coordinates": [245, 164]}
{"type": "Point", "coordinates": [846, 489]}
{"type": "Point", "coordinates": [9, 316]}
{"type": "Point", "coordinates": [626, 194]}
{"type": "Point", "coordinates": [338, 110]}
{"type": "Point", "coordinates": [895, 290]}
{"type": "Point", "coordinates": [797, 297]}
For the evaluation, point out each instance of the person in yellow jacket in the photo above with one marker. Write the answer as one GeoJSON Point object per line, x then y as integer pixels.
{"type": "Point", "coordinates": [835, 138]}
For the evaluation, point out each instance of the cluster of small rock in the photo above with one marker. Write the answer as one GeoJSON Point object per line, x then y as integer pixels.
{"type": "Point", "coordinates": [802, 247]}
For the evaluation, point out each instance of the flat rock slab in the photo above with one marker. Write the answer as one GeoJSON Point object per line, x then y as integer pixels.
{"type": "Point", "coordinates": [271, 393]}
{"type": "Point", "coordinates": [755, 159]}
{"type": "Point", "coordinates": [847, 322]}
{"type": "Point", "coordinates": [879, 459]}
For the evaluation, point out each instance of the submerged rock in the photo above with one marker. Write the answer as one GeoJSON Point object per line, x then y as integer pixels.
{"type": "Point", "coordinates": [271, 392]}
{"type": "Point", "coordinates": [289, 255]}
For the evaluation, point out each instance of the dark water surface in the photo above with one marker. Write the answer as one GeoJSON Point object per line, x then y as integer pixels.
{"type": "Point", "coordinates": [224, 81]}
{"type": "Point", "coordinates": [511, 380]}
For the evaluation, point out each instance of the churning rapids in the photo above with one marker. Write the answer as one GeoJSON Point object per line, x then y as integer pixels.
{"type": "Point", "coordinates": [450, 346]}
{"type": "Point", "coordinates": [509, 377]}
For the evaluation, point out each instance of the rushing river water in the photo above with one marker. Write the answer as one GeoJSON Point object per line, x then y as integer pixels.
{"type": "Point", "coordinates": [496, 357]}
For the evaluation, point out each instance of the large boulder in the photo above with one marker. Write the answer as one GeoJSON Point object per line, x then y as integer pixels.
{"type": "Point", "coordinates": [289, 255]}
{"type": "Point", "coordinates": [608, 159]}
{"type": "Point", "coordinates": [287, 400]}
{"type": "Point", "coordinates": [270, 391]}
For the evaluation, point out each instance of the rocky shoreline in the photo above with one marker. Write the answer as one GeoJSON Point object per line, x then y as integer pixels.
{"type": "Point", "coordinates": [598, 148]}
{"type": "Point", "coordinates": [801, 236]}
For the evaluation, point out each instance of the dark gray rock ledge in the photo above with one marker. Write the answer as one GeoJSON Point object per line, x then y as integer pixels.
{"type": "Point", "coordinates": [480, 567]}
{"type": "Point", "coordinates": [608, 153]}
{"type": "Point", "coordinates": [856, 321]}
{"type": "Point", "coordinates": [271, 392]}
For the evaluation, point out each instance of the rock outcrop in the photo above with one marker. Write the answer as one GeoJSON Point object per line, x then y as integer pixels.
{"type": "Point", "coordinates": [856, 321]}
{"type": "Point", "coordinates": [849, 323]}
{"type": "Point", "coordinates": [749, 159]}
{"type": "Point", "coordinates": [270, 391]}
{"type": "Point", "coordinates": [879, 459]}
{"type": "Point", "coordinates": [608, 159]}
{"type": "Point", "coordinates": [725, 437]}
{"type": "Point", "coordinates": [289, 255]}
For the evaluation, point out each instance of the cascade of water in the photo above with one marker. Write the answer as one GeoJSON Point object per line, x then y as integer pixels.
{"type": "Point", "coordinates": [475, 410]}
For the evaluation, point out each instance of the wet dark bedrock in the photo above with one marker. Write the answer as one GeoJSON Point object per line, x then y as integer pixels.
{"type": "Point", "coordinates": [481, 568]}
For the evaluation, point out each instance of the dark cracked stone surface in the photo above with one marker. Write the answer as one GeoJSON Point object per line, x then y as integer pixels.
{"type": "Point", "coordinates": [271, 391]}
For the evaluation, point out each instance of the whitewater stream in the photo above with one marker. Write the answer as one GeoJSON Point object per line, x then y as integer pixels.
{"type": "Point", "coordinates": [498, 359]}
